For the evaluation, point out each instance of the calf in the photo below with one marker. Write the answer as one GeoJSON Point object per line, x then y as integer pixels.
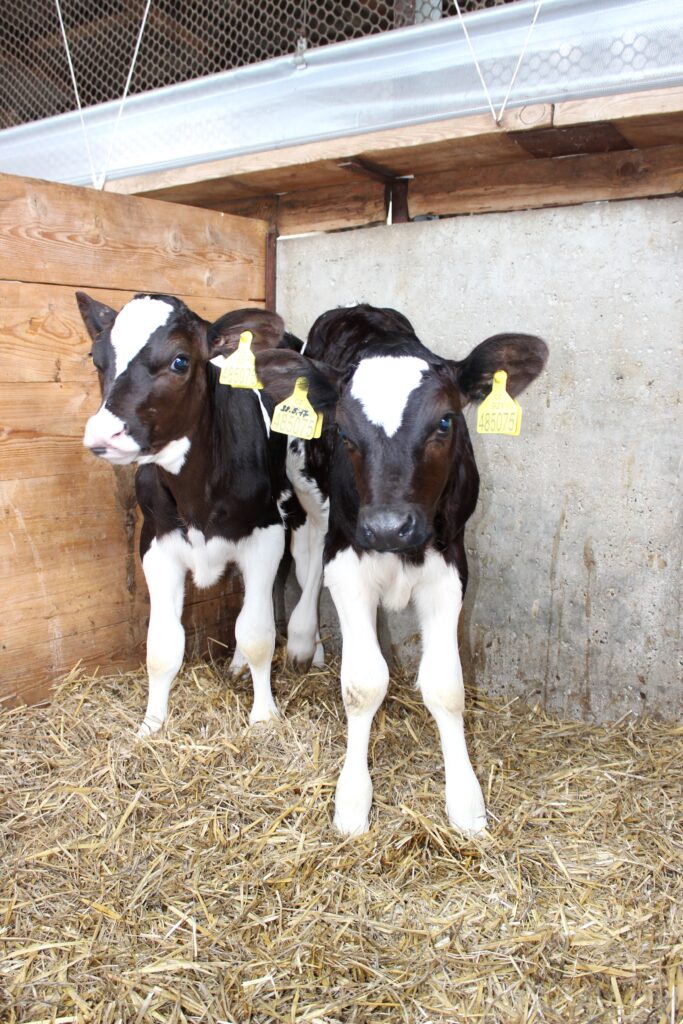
{"type": "Point", "coordinates": [211, 479]}
{"type": "Point", "coordinates": [388, 489]}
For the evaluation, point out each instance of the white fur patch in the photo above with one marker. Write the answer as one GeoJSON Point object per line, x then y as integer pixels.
{"type": "Point", "coordinates": [383, 385]}
{"type": "Point", "coordinates": [264, 411]}
{"type": "Point", "coordinates": [133, 327]}
{"type": "Point", "coordinates": [171, 457]}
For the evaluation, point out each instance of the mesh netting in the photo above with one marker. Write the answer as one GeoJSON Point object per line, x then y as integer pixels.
{"type": "Point", "coordinates": [182, 40]}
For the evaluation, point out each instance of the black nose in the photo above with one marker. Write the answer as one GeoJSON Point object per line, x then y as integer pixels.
{"type": "Point", "coordinates": [390, 529]}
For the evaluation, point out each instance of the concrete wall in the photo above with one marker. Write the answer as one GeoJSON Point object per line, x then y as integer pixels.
{"type": "Point", "coordinates": [575, 547]}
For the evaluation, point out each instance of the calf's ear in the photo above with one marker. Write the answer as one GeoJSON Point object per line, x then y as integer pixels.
{"type": "Point", "coordinates": [279, 369]}
{"type": "Point", "coordinates": [96, 316]}
{"type": "Point", "coordinates": [224, 334]}
{"type": "Point", "coordinates": [522, 356]}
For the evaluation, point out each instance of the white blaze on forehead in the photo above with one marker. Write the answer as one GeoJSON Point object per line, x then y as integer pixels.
{"type": "Point", "coordinates": [383, 385]}
{"type": "Point", "coordinates": [133, 327]}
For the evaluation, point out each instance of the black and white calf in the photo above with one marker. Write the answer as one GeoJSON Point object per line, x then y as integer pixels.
{"type": "Point", "coordinates": [388, 489]}
{"type": "Point", "coordinates": [211, 479]}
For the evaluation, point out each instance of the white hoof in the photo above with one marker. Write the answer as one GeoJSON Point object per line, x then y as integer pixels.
{"type": "Point", "coordinates": [238, 665]}
{"type": "Point", "coordinates": [352, 805]}
{"type": "Point", "coordinates": [467, 811]}
{"type": "Point", "coordinates": [319, 656]}
{"type": "Point", "coordinates": [301, 651]}
{"type": "Point", "coordinates": [148, 728]}
{"type": "Point", "coordinates": [263, 713]}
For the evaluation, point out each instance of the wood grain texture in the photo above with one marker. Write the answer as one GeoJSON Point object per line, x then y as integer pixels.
{"type": "Point", "coordinates": [361, 201]}
{"type": "Point", "coordinates": [43, 335]}
{"type": "Point", "coordinates": [562, 182]}
{"type": "Point", "coordinates": [189, 184]}
{"type": "Point", "coordinates": [60, 234]}
{"type": "Point", "coordinates": [650, 103]}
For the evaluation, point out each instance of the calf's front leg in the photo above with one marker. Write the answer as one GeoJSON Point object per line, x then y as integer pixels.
{"type": "Point", "coordinates": [437, 600]}
{"type": "Point", "coordinates": [165, 576]}
{"type": "Point", "coordinates": [364, 680]}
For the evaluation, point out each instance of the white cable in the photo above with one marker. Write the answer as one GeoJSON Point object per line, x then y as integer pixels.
{"type": "Point", "coordinates": [476, 62]}
{"type": "Point", "coordinates": [114, 134]}
{"type": "Point", "coordinates": [78, 98]}
{"type": "Point", "coordinates": [498, 118]}
{"type": "Point", "coordinates": [519, 62]}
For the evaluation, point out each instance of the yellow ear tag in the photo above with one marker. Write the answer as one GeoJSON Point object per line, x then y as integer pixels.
{"type": "Point", "coordinates": [296, 416]}
{"type": "Point", "coordinates": [499, 413]}
{"type": "Point", "coordinates": [239, 369]}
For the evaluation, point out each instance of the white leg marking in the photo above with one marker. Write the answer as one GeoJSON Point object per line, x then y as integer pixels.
{"type": "Point", "coordinates": [165, 574]}
{"type": "Point", "coordinates": [438, 597]}
{"type": "Point", "coordinates": [258, 557]}
{"type": "Point", "coordinates": [238, 663]}
{"type": "Point", "coordinates": [364, 678]}
{"type": "Point", "coordinates": [303, 636]}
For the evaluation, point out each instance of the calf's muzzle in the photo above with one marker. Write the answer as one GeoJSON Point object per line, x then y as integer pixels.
{"type": "Point", "coordinates": [391, 529]}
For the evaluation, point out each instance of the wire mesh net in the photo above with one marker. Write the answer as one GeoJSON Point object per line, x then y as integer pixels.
{"type": "Point", "coordinates": [181, 41]}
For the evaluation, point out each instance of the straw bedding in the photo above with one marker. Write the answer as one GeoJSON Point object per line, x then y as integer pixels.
{"type": "Point", "coordinates": [197, 876]}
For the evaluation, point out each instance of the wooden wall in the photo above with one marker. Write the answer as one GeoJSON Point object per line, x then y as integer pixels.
{"type": "Point", "coordinates": [71, 588]}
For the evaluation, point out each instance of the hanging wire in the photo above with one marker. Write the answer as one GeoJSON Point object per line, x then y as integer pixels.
{"type": "Point", "coordinates": [519, 62]}
{"type": "Point", "coordinates": [98, 182]}
{"type": "Point", "coordinates": [114, 134]}
{"type": "Point", "coordinates": [497, 118]}
{"type": "Point", "coordinates": [78, 98]}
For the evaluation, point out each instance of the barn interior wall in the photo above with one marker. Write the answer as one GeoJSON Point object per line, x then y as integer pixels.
{"type": "Point", "coordinates": [575, 547]}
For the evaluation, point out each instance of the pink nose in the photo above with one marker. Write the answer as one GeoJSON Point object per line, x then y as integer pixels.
{"type": "Point", "coordinates": [105, 431]}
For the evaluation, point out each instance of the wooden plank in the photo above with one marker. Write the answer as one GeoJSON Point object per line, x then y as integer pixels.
{"type": "Point", "coordinates": [485, 150]}
{"type": "Point", "coordinates": [327, 209]}
{"type": "Point", "coordinates": [596, 137]}
{"type": "Point", "coordinates": [31, 670]}
{"type": "Point", "coordinates": [651, 103]}
{"type": "Point", "coordinates": [57, 409]}
{"type": "Point", "coordinates": [170, 184]}
{"type": "Point", "coordinates": [645, 132]}
{"type": "Point", "coordinates": [559, 182]}
{"type": "Point", "coordinates": [43, 336]}
{"type": "Point", "coordinates": [59, 234]}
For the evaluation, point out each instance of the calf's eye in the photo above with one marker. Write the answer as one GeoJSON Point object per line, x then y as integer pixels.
{"type": "Point", "coordinates": [180, 364]}
{"type": "Point", "coordinates": [445, 424]}
{"type": "Point", "coordinates": [345, 438]}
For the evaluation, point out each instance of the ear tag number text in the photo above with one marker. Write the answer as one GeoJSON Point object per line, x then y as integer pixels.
{"type": "Point", "coordinates": [499, 413]}
{"type": "Point", "coordinates": [296, 416]}
{"type": "Point", "coordinates": [239, 369]}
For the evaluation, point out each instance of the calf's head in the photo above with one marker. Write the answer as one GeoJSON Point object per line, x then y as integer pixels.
{"type": "Point", "coordinates": [152, 359]}
{"type": "Point", "coordinates": [398, 417]}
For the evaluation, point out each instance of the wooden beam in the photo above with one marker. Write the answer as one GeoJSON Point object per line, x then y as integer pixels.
{"type": "Point", "coordinates": [162, 182]}
{"type": "Point", "coordinates": [328, 209]}
{"type": "Point", "coordinates": [60, 234]}
{"type": "Point", "coordinates": [613, 108]}
{"type": "Point", "coordinates": [559, 182]}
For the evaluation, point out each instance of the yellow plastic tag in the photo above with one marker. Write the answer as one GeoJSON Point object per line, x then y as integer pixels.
{"type": "Point", "coordinates": [499, 413]}
{"type": "Point", "coordinates": [239, 369]}
{"type": "Point", "coordinates": [296, 416]}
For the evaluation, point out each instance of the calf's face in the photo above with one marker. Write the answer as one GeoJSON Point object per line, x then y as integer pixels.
{"type": "Point", "coordinates": [399, 420]}
{"type": "Point", "coordinates": [152, 362]}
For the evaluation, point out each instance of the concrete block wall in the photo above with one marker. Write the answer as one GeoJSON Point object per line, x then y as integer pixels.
{"type": "Point", "coordinates": [575, 548]}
